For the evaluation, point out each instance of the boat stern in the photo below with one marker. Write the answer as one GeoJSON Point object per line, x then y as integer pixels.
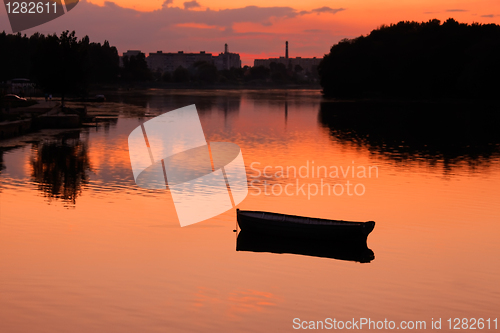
{"type": "Point", "coordinates": [368, 227]}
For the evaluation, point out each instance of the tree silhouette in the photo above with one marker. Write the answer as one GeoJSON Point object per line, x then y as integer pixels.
{"type": "Point", "coordinates": [206, 72]}
{"type": "Point", "coordinates": [60, 168]}
{"type": "Point", "coordinates": [259, 72]}
{"type": "Point", "coordinates": [415, 60]}
{"type": "Point", "coordinates": [181, 74]}
{"type": "Point", "coordinates": [58, 64]}
{"type": "Point", "coordinates": [135, 68]}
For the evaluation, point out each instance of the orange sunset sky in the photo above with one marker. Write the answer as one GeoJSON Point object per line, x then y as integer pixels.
{"type": "Point", "coordinates": [252, 28]}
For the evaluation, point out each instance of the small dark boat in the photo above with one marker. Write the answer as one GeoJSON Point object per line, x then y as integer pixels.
{"type": "Point", "coordinates": [299, 226]}
{"type": "Point", "coordinates": [322, 248]}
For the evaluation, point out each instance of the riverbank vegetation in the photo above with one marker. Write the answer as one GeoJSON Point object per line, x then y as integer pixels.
{"type": "Point", "coordinates": [416, 60]}
{"type": "Point", "coordinates": [58, 64]}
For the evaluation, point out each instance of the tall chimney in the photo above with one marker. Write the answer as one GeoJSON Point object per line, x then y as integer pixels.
{"type": "Point", "coordinates": [225, 48]}
{"type": "Point", "coordinates": [286, 54]}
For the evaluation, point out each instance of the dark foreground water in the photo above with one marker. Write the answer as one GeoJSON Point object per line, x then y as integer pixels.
{"type": "Point", "coordinates": [83, 249]}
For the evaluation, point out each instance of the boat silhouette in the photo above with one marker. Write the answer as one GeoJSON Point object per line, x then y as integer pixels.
{"type": "Point", "coordinates": [282, 233]}
{"type": "Point", "coordinates": [305, 227]}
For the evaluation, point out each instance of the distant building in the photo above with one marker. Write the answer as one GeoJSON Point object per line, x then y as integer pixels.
{"type": "Point", "coordinates": [307, 64]}
{"type": "Point", "coordinates": [227, 60]}
{"type": "Point", "coordinates": [168, 62]}
{"type": "Point", "coordinates": [129, 54]}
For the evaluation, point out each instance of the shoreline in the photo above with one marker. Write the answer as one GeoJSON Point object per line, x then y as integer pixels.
{"type": "Point", "coordinates": [141, 86]}
{"type": "Point", "coordinates": [198, 86]}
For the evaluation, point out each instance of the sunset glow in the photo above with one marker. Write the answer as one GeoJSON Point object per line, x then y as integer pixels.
{"type": "Point", "coordinates": [254, 29]}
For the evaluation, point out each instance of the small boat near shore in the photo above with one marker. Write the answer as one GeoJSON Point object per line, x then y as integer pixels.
{"type": "Point", "coordinates": [300, 226]}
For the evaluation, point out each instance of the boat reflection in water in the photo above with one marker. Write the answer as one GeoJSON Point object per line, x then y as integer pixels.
{"type": "Point", "coordinates": [258, 242]}
{"type": "Point", "coordinates": [281, 233]}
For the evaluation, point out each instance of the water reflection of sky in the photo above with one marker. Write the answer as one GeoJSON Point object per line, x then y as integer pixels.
{"type": "Point", "coordinates": [435, 242]}
{"type": "Point", "coordinates": [276, 129]}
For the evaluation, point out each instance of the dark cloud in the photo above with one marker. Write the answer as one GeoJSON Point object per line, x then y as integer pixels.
{"type": "Point", "coordinates": [172, 28]}
{"type": "Point", "coordinates": [167, 2]}
{"type": "Point", "coordinates": [321, 10]}
{"type": "Point", "coordinates": [327, 10]}
{"type": "Point", "coordinates": [456, 10]}
{"type": "Point", "coordinates": [489, 15]}
{"type": "Point", "coordinates": [191, 4]}
{"type": "Point", "coordinates": [313, 31]}
{"type": "Point", "coordinates": [111, 15]}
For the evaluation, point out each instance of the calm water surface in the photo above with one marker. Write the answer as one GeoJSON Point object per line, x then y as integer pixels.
{"type": "Point", "coordinates": [83, 249]}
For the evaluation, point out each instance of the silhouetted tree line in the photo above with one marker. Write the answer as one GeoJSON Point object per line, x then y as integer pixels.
{"type": "Point", "coordinates": [279, 73]}
{"type": "Point", "coordinates": [205, 72]}
{"type": "Point", "coordinates": [135, 68]}
{"type": "Point", "coordinates": [416, 60]}
{"type": "Point", "coordinates": [201, 72]}
{"type": "Point", "coordinates": [58, 64]}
